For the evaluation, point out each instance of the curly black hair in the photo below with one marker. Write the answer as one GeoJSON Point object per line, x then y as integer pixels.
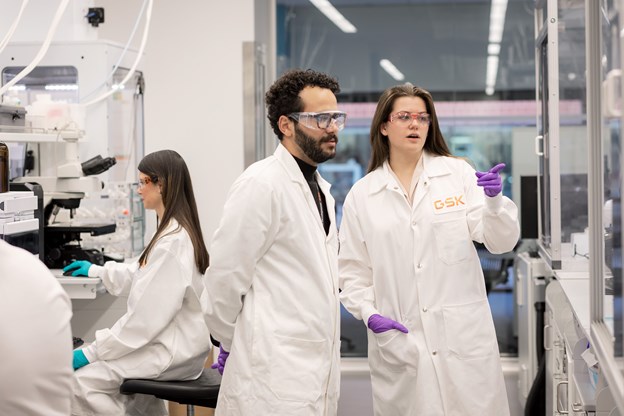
{"type": "Point", "coordinates": [283, 96]}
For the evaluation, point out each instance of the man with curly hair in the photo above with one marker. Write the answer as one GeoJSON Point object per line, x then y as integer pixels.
{"type": "Point", "coordinates": [273, 279]}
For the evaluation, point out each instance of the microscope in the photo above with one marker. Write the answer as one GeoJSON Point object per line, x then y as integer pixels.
{"type": "Point", "coordinates": [61, 240]}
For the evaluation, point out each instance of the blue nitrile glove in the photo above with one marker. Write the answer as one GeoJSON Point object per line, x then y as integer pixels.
{"type": "Point", "coordinates": [80, 360]}
{"type": "Point", "coordinates": [220, 364]}
{"type": "Point", "coordinates": [378, 323]}
{"type": "Point", "coordinates": [491, 180]}
{"type": "Point", "coordinates": [82, 268]}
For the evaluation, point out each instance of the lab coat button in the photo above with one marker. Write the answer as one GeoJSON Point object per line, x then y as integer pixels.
{"type": "Point", "coordinates": [420, 266]}
{"type": "Point", "coordinates": [413, 222]}
{"type": "Point", "coordinates": [434, 352]}
{"type": "Point", "coordinates": [425, 309]}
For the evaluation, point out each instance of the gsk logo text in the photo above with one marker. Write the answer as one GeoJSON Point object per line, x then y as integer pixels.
{"type": "Point", "coordinates": [452, 201]}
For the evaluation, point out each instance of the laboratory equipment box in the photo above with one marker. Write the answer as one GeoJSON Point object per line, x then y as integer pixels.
{"type": "Point", "coordinates": [11, 115]}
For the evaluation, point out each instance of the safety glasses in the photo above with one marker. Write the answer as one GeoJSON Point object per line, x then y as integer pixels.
{"type": "Point", "coordinates": [146, 180]}
{"type": "Point", "coordinates": [404, 118]}
{"type": "Point", "coordinates": [321, 121]}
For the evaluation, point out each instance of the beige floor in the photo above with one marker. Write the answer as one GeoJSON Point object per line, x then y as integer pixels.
{"type": "Point", "coordinates": [176, 409]}
{"type": "Point", "coordinates": [179, 410]}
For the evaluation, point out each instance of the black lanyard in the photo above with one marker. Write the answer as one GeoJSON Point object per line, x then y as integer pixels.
{"type": "Point", "coordinates": [320, 205]}
{"type": "Point", "coordinates": [316, 193]}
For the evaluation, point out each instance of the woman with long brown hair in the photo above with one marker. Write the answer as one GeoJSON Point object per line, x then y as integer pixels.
{"type": "Point", "coordinates": [163, 335]}
{"type": "Point", "coordinates": [409, 268]}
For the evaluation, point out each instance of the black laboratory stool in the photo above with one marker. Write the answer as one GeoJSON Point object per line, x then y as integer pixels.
{"type": "Point", "coordinates": [201, 392]}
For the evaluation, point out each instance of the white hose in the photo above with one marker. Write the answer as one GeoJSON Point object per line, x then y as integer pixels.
{"type": "Point", "coordinates": [9, 34]}
{"type": "Point", "coordinates": [42, 51]}
{"type": "Point", "coordinates": [123, 53]}
{"type": "Point", "coordinates": [148, 18]}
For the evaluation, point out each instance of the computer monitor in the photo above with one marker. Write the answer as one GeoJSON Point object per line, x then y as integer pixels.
{"type": "Point", "coordinates": [528, 207]}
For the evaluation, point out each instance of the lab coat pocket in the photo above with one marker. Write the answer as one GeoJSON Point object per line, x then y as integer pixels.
{"type": "Point", "coordinates": [453, 240]}
{"type": "Point", "coordinates": [469, 329]}
{"type": "Point", "coordinates": [298, 368]}
{"type": "Point", "coordinates": [397, 351]}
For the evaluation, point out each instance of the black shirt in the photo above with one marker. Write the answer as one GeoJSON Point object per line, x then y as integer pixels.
{"type": "Point", "coordinates": [317, 194]}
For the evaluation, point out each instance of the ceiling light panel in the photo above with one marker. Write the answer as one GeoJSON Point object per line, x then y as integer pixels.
{"type": "Point", "coordinates": [334, 15]}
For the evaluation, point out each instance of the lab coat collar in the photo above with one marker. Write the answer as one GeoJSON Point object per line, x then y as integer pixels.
{"type": "Point", "coordinates": [294, 171]}
{"type": "Point", "coordinates": [172, 226]}
{"type": "Point", "coordinates": [433, 165]}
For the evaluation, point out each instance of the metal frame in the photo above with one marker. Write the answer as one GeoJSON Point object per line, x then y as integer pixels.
{"type": "Point", "coordinates": [551, 253]}
{"type": "Point", "coordinates": [258, 73]}
{"type": "Point", "coordinates": [601, 337]}
{"type": "Point", "coordinates": [254, 125]}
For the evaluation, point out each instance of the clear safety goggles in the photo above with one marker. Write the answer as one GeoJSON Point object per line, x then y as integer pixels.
{"type": "Point", "coordinates": [321, 121]}
{"type": "Point", "coordinates": [405, 118]}
{"type": "Point", "coordinates": [147, 180]}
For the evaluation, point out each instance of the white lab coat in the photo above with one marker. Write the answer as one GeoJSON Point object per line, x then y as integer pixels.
{"type": "Point", "coordinates": [418, 265]}
{"type": "Point", "coordinates": [162, 336]}
{"type": "Point", "coordinates": [35, 333]}
{"type": "Point", "coordinates": [273, 289]}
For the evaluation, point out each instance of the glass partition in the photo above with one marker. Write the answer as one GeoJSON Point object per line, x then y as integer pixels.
{"type": "Point", "coordinates": [604, 109]}
{"type": "Point", "coordinates": [61, 82]}
{"type": "Point", "coordinates": [580, 164]}
{"type": "Point", "coordinates": [561, 142]}
{"type": "Point", "coordinates": [611, 138]}
{"type": "Point", "coordinates": [573, 130]}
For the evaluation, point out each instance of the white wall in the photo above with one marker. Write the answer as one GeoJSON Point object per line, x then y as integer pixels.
{"type": "Point", "coordinates": [194, 92]}
{"type": "Point", "coordinates": [193, 104]}
{"type": "Point", "coordinates": [37, 18]}
{"type": "Point", "coordinates": [194, 101]}
{"type": "Point", "coordinates": [193, 73]}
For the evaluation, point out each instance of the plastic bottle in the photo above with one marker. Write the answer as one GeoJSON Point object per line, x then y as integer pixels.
{"type": "Point", "coordinates": [4, 168]}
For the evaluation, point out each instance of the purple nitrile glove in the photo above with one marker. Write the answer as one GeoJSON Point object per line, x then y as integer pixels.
{"type": "Point", "coordinates": [378, 323]}
{"type": "Point", "coordinates": [220, 364]}
{"type": "Point", "coordinates": [491, 180]}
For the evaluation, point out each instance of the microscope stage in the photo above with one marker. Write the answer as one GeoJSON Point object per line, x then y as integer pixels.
{"type": "Point", "coordinates": [78, 227]}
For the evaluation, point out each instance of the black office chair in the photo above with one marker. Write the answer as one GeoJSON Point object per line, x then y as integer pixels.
{"type": "Point", "coordinates": [202, 392]}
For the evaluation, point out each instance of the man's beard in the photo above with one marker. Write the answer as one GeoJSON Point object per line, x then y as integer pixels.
{"type": "Point", "coordinates": [312, 148]}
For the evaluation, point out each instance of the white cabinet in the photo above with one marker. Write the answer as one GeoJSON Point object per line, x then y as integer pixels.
{"type": "Point", "coordinates": [568, 387]}
{"type": "Point", "coordinates": [80, 287]}
{"type": "Point", "coordinates": [530, 285]}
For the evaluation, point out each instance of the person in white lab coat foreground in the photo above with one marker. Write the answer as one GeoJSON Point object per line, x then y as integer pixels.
{"type": "Point", "coordinates": [35, 375]}
{"type": "Point", "coordinates": [273, 279]}
{"type": "Point", "coordinates": [163, 335]}
{"type": "Point", "coordinates": [409, 268]}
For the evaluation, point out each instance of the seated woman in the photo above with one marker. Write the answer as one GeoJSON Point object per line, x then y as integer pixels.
{"type": "Point", "coordinates": [163, 335]}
